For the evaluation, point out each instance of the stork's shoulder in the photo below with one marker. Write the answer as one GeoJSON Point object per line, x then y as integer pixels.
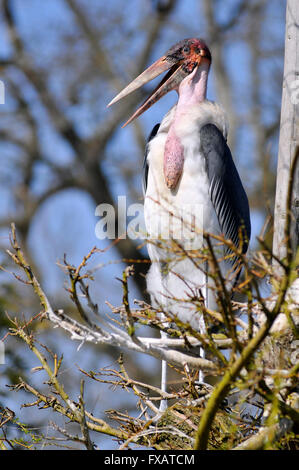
{"type": "Point", "coordinates": [209, 112]}
{"type": "Point", "coordinates": [190, 120]}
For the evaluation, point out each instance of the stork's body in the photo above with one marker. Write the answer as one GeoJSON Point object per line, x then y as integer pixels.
{"type": "Point", "coordinates": [173, 278]}
{"type": "Point", "coordinates": [189, 176]}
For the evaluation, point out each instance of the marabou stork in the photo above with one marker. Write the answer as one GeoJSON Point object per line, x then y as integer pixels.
{"type": "Point", "coordinates": [188, 167]}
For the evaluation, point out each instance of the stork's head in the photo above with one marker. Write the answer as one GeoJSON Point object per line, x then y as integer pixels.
{"type": "Point", "coordinates": [181, 60]}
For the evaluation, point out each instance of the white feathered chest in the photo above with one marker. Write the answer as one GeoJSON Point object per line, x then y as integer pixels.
{"type": "Point", "coordinates": [183, 213]}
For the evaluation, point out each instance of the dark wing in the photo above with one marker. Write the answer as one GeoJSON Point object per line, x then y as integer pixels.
{"type": "Point", "coordinates": [145, 163]}
{"type": "Point", "coordinates": [226, 190]}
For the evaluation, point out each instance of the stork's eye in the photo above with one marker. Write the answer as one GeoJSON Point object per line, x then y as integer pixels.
{"type": "Point", "coordinates": [186, 49]}
{"type": "Point", "coordinates": [197, 50]}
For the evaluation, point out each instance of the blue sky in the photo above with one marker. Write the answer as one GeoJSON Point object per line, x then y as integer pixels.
{"type": "Point", "coordinates": [66, 222]}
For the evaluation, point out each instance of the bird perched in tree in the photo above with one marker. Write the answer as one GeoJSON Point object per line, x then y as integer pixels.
{"type": "Point", "coordinates": [191, 184]}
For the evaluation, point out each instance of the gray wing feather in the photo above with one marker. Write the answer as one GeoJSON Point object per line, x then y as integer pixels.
{"type": "Point", "coordinates": [145, 162]}
{"type": "Point", "coordinates": [226, 190]}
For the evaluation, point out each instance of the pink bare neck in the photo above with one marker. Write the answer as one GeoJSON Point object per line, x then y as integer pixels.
{"type": "Point", "coordinates": [192, 90]}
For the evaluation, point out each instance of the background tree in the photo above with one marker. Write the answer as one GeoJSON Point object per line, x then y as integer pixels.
{"type": "Point", "coordinates": [63, 153]}
{"type": "Point", "coordinates": [289, 139]}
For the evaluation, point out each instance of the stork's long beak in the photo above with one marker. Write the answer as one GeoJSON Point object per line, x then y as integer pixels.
{"type": "Point", "coordinates": [168, 83]}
